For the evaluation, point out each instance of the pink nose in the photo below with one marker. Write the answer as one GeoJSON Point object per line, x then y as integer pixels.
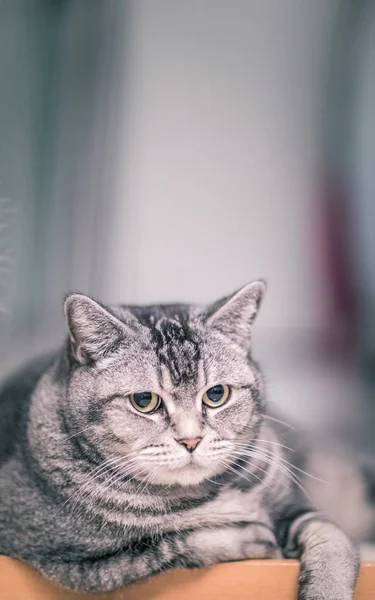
{"type": "Point", "coordinates": [190, 444]}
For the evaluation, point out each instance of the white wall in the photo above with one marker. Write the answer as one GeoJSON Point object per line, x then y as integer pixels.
{"type": "Point", "coordinates": [217, 174]}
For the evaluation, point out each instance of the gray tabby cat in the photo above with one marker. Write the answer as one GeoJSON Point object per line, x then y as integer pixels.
{"type": "Point", "coordinates": [144, 445]}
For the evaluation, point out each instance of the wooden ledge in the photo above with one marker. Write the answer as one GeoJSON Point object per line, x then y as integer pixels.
{"type": "Point", "coordinates": [260, 579]}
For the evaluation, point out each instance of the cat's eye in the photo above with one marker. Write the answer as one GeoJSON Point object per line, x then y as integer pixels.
{"type": "Point", "coordinates": [216, 396]}
{"type": "Point", "coordinates": [145, 402]}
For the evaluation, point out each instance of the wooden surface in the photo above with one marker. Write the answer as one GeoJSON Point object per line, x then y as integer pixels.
{"type": "Point", "coordinates": [256, 579]}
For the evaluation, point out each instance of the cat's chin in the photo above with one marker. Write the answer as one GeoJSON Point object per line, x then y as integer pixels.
{"type": "Point", "coordinates": [189, 475]}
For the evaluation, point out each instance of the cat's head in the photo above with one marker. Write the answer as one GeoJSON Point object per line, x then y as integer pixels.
{"type": "Point", "coordinates": [165, 394]}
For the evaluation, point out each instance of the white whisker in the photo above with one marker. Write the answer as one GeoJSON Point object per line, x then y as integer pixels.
{"type": "Point", "coordinates": [269, 418]}
{"type": "Point", "coordinates": [69, 437]}
{"type": "Point", "coordinates": [286, 462]}
{"type": "Point", "coordinates": [273, 460]}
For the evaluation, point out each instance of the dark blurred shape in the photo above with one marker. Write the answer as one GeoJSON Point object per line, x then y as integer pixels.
{"type": "Point", "coordinates": [349, 200]}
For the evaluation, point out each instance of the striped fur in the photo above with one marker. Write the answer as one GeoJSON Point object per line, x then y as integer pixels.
{"type": "Point", "coordinates": [97, 495]}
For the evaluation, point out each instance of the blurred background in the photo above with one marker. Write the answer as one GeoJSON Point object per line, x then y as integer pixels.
{"type": "Point", "coordinates": [163, 150]}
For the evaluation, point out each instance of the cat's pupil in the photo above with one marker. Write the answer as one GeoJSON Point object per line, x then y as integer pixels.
{"type": "Point", "coordinates": [215, 393]}
{"type": "Point", "coordinates": [143, 399]}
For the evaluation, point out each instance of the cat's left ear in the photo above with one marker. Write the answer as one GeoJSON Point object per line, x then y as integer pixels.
{"type": "Point", "coordinates": [235, 314]}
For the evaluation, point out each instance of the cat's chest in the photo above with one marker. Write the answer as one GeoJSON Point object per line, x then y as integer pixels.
{"type": "Point", "coordinates": [139, 518]}
{"type": "Point", "coordinates": [99, 529]}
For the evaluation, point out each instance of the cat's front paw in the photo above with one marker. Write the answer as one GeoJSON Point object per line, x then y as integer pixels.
{"type": "Point", "coordinates": [312, 593]}
{"type": "Point", "coordinates": [329, 563]}
{"type": "Point", "coordinates": [236, 542]}
{"type": "Point", "coordinates": [320, 585]}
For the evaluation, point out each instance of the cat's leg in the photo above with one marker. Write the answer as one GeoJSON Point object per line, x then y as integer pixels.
{"type": "Point", "coordinates": [194, 548]}
{"type": "Point", "coordinates": [120, 569]}
{"type": "Point", "coordinates": [329, 560]}
{"type": "Point", "coordinates": [238, 541]}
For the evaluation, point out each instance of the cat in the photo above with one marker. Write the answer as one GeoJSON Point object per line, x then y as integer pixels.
{"type": "Point", "coordinates": [145, 444]}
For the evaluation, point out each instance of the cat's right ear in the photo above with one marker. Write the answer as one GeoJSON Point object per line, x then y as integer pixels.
{"type": "Point", "coordinates": [94, 332]}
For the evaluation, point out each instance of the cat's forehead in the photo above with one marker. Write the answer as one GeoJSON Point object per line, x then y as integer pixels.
{"type": "Point", "coordinates": [175, 352]}
{"type": "Point", "coordinates": [176, 340]}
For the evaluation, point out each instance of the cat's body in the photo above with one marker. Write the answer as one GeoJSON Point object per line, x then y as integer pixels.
{"type": "Point", "coordinates": [98, 492]}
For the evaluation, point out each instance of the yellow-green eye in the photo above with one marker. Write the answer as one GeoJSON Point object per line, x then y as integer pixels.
{"type": "Point", "coordinates": [145, 402]}
{"type": "Point", "coordinates": [216, 396]}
